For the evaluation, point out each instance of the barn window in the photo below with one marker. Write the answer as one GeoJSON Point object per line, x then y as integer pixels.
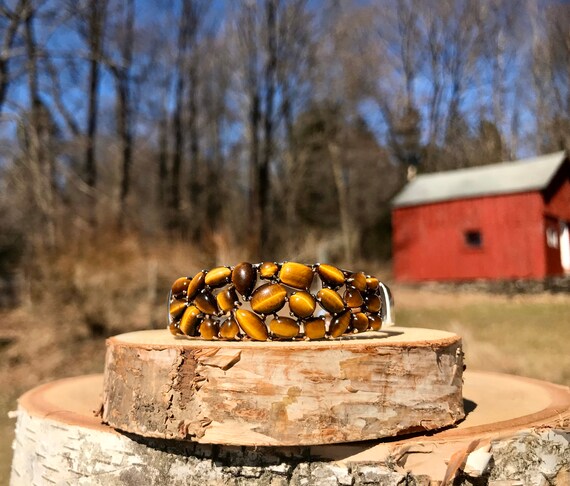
{"type": "Point", "coordinates": [473, 239]}
{"type": "Point", "coordinates": [551, 238]}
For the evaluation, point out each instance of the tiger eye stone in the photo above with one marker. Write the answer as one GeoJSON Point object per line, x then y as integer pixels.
{"type": "Point", "coordinates": [189, 320]}
{"type": "Point", "coordinates": [330, 300]}
{"type": "Point", "coordinates": [339, 324]}
{"type": "Point", "coordinates": [296, 275]}
{"type": "Point", "coordinates": [217, 277]}
{"type": "Point", "coordinates": [331, 275]}
{"type": "Point", "coordinates": [206, 302]}
{"type": "Point", "coordinates": [229, 329]}
{"type": "Point", "coordinates": [284, 327]}
{"type": "Point", "coordinates": [268, 270]}
{"type": "Point", "coordinates": [352, 297]}
{"type": "Point", "coordinates": [315, 328]}
{"type": "Point", "coordinates": [359, 321]}
{"type": "Point", "coordinates": [358, 281]}
{"type": "Point", "coordinates": [174, 330]}
{"type": "Point", "coordinates": [302, 304]}
{"type": "Point", "coordinates": [196, 285]}
{"type": "Point", "coordinates": [227, 299]}
{"type": "Point", "coordinates": [375, 322]}
{"type": "Point", "coordinates": [209, 328]}
{"type": "Point", "coordinates": [176, 308]}
{"type": "Point", "coordinates": [252, 324]}
{"type": "Point", "coordinates": [372, 283]}
{"type": "Point", "coordinates": [244, 277]}
{"type": "Point", "coordinates": [180, 285]}
{"type": "Point", "coordinates": [268, 298]}
{"type": "Point", "coordinates": [372, 302]}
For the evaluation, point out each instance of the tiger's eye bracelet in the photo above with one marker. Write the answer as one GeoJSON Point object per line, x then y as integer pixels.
{"type": "Point", "coordinates": [208, 305]}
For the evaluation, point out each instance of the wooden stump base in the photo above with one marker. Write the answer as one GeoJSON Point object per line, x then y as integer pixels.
{"type": "Point", "coordinates": [367, 386]}
{"type": "Point", "coordinates": [517, 431]}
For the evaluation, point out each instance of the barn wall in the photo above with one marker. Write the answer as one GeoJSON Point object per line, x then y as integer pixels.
{"type": "Point", "coordinates": [429, 240]}
{"type": "Point", "coordinates": [558, 205]}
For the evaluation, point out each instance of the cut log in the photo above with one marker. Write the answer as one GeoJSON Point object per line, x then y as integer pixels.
{"type": "Point", "coordinates": [519, 428]}
{"type": "Point", "coordinates": [283, 393]}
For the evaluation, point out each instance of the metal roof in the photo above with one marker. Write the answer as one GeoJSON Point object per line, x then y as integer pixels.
{"type": "Point", "coordinates": [503, 178]}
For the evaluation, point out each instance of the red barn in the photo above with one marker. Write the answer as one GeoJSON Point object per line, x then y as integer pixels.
{"type": "Point", "coordinates": [501, 221]}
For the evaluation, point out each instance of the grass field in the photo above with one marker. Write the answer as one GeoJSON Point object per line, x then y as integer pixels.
{"type": "Point", "coordinates": [523, 335]}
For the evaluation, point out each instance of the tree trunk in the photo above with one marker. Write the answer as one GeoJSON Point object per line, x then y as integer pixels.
{"type": "Point", "coordinates": [10, 34]}
{"type": "Point", "coordinates": [95, 29]}
{"type": "Point", "coordinates": [41, 163]}
{"type": "Point", "coordinates": [124, 116]}
{"type": "Point", "coordinates": [347, 228]}
{"type": "Point", "coordinates": [263, 180]}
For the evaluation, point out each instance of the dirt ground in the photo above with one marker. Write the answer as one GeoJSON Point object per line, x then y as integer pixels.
{"type": "Point", "coordinates": [525, 335]}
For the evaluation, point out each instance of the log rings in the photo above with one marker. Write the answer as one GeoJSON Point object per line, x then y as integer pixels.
{"type": "Point", "coordinates": [208, 305]}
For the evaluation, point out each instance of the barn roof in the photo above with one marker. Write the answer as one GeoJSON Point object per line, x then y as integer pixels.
{"type": "Point", "coordinates": [506, 177]}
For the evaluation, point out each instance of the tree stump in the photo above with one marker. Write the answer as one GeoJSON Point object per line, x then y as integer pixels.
{"type": "Point", "coordinates": [517, 431]}
{"type": "Point", "coordinates": [283, 393]}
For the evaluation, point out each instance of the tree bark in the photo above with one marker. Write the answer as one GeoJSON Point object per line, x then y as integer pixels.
{"type": "Point", "coordinates": [95, 32]}
{"type": "Point", "coordinates": [264, 182]}
{"type": "Point", "coordinates": [124, 115]}
{"type": "Point", "coordinates": [9, 36]}
{"type": "Point", "coordinates": [517, 426]}
{"type": "Point", "coordinates": [283, 393]}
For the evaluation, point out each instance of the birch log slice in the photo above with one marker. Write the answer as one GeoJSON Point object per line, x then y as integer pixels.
{"type": "Point", "coordinates": [283, 393]}
{"type": "Point", "coordinates": [523, 426]}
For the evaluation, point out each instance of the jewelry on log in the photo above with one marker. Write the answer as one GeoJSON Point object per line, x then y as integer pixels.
{"type": "Point", "coordinates": [278, 302]}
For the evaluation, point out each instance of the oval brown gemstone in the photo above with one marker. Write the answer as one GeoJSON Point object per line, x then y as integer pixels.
{"type": "Point", "coordinates": [359, 321]}
{"type": "Point", "coordinates": [206, 302]}
{"type": "Point", "coordinates": [268, 298]}
{"type": "Point", "coordinates": [302, 304]}
{"type": "Point", "coordinates": [296, 275]}
{"type": "Point", "coordinates": [372, 302]}
{"type": "Point", "coordinates": [177, 307]}
{"type": "Point", "coordinates": [218, 276]}
{"type": "Point", "coordinates": [372, 283]}
{"type": "Point", "coordinates": [252, 324]}
{"type": "Point", "coordinates": [340, 323]}
{"type": "Point", "coordinates": [358, 281]}
{"type": "Point", "coordinates": [180, 285]}
{"type": "Point", "coordinates": [229, 329]}
{"type": "Point", "coordinates": [244, 277]}
{"type": "Point", "coordinates": [375, 322]}
{"type": "Point", "coordinates": [315, 328]}
{"type": "Point", "coordinates": [352, 297]}
{"type": "Point", "coordinates": [196, 285]}
{"type": "Point", "coordinates": [227, 299]}
{"type": "Point", "coordinates": [330, 300]}
{"type": "Point", "coordinates": [331, 275]}
{"type": "Point", "coordinates": [189, 320]}
{"type": "Point", "coordinates": [174, 330]}
{"type": "Point", "coordinates": [268, 270]}
{"type": "Point", "coordinates": [284, 327]}
{"type": "Point", "coordinates": [208, 328]}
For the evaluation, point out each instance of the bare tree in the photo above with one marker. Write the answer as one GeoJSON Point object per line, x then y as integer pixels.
{"type": "Point", "coordinates": [14, 19]}
{"type": "Point", "coordinates": [96, 22]}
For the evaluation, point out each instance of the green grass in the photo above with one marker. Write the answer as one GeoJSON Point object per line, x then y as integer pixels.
{"type": "Point", "coordinates": [527, 338]}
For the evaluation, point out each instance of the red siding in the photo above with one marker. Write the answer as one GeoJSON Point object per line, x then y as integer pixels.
{"type": "Point", "coordinates": [429, 241]}
{"type": "Point", "coordinates": [559, 204]}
